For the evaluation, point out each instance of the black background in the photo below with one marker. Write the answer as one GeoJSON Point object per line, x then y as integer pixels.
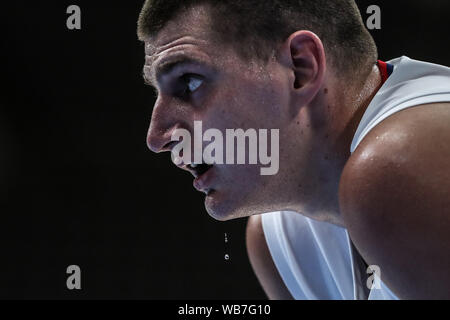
{"type": "Point", "coordinates": [77, 183]}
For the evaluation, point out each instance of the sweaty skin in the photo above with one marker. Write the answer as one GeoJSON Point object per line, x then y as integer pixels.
{"type": "Point", "coordinates": [293, 92]}
{"type": "Point", "coordinates": [395, 201]}
{"type": "Point", "coordinates": [396, 220]}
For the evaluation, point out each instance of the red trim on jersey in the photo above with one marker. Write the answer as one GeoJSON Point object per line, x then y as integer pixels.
{"type": "Point", "coordinates": [383, 69]}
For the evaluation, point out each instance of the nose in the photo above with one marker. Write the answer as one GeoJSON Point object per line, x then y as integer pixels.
{"type": "Point", "coordinates": [162, 125]}
{"type": "Point", "coordinates": [158, 140]}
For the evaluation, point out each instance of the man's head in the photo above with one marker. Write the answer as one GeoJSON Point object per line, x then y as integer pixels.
{"type": "Point", "coordinates": [261, 65]}
{"type": "Point", "coordinates": [255, 28]}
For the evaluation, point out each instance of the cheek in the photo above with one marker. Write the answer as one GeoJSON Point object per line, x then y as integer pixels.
{"type": "Point", "coordinates": [248, 107]}
{"type": "Point", "coordinates": [266, 106]}
{"type": "Point", "coordinates": [240, 181]}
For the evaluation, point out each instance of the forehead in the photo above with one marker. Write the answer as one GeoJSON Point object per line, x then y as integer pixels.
{"type": "Point", "coordinates": [189, 32]}
{"type": "Point", "coordinates": [190, 37]}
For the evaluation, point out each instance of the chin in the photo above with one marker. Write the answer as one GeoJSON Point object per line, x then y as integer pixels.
{"type": "Point", "coordinates": [223, 207]}
{"type": "Point", "coordinates": [217, 207]}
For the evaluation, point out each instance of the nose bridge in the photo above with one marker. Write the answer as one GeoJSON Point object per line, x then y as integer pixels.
{"type": "Point", "coordinates": [162, 123]}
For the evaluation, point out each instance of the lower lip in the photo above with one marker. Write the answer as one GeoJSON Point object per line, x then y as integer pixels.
{"type": "Point", "coordinates": [202, 182]}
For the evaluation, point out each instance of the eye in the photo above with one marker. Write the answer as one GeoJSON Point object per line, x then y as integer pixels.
{"type": "Point", "coordinates": [194, 83]}
{"type": "Point", "coordinates": [191, 83]}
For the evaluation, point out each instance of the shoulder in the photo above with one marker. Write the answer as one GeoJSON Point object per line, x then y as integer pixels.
{"type": "Point", "coordinates": [395, 200]}
{"type": "Point", "coordinates": [411, 144]}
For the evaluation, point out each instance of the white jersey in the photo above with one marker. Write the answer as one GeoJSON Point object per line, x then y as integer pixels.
{"type": "Point", "coordinates": [317, 260]}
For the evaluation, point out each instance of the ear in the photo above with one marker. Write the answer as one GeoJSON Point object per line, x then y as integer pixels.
{"type": "Point", "coordinates": [304, 54]}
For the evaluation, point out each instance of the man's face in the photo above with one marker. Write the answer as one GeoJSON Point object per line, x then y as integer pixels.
{"type": "Point", "coordinates": [200, 79]}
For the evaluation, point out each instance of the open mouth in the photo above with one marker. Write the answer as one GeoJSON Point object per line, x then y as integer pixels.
{"type": "Point", "coordinates": [202, 179]}
{"type": "Point", "coordinates": [199, 169]}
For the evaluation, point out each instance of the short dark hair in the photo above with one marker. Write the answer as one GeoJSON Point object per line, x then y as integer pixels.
{"type": "Point", "coordinates": [263, 24]}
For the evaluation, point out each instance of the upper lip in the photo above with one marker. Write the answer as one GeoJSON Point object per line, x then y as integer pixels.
{"type": "Point", "coordinates": [194, 170]}
{"type": "Point", "coordinates": [189, 168]}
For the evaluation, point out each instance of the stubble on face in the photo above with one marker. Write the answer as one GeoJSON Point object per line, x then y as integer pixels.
{"type": "Point", "coordinates": [241, 94]}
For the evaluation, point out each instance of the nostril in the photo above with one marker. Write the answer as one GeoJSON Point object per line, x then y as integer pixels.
{"type": "Point", "coordinates": [160, 143]}
{"type": "Point", "coordinates": [168, 147]}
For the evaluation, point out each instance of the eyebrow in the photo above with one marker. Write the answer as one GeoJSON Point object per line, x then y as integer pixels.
{"type": "Point", "coordinates": [168, 66]}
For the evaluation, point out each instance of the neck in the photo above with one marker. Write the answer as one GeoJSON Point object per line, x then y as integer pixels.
{"type": "Point", "coordinates": [351, 104]}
